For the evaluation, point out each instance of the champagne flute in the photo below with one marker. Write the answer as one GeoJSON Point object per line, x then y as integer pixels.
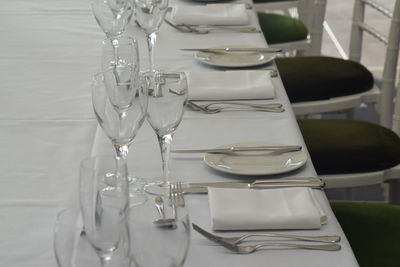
{"type": "Point", "coordinates": [112, 15]}
{"type": "Point", "coordinates": [120, 102]}
{"type": "Point", "coordinates": [104, 199]}
{"type": "Point", "coordinates": [167, 96]}
{"type": "Point", "coordinates": [149, 16]}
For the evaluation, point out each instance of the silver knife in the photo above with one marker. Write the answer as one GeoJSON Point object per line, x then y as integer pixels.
{"type": "Point", "coordinates": [234, 149]}
{"type": "Point", "coordinates": [235, 49]}
{"type": "Point", "coordinates": [258, 184]}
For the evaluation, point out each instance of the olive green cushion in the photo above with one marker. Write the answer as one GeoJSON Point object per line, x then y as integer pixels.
{"type": "Point", "coordinates": [349, 146]}
{"type": "Point", "coordinates": [281, 29]}
{"type": "Point", "coordinates": [372, 230]}
{"type": "Point", "coordinates": [321, 78]}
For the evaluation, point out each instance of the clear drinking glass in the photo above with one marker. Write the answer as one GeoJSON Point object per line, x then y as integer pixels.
{"type": "Point", "coordinates": [120, 52]}
{"type": "Point", "coordinates": [167, 96]}
{"type": "Point", "coordinates": [120, 102]}
{"type": "Point", "coordinates": [155, 246]}
{"type": "Point", "coordinates": [104, 199]}
{"type": "Point", "coordinates": [149, 15]}
{"type": "Point", "coordinates": [72, 247]}
{"type": "Point", "coordinates": [112, 15]}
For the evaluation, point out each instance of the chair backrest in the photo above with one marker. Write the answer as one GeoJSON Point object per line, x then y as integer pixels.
{"type": "Point", "coordinates": [310, 12]}
{"type": "Point", "coordinates": [359, 26]}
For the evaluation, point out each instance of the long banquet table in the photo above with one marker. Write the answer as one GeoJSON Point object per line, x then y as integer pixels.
{"type": "Point", "coordinates": [49, 52]}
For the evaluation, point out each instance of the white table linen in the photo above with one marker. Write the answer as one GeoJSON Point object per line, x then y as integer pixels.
{"type": "Point", "coordinates": [229, 85]}
{"type": "Point", "coordinates": [211, 14]}
{"type": "Point", "coordinates": [47, 127]}
{"type": "Point", "coordinates": [265, 209]}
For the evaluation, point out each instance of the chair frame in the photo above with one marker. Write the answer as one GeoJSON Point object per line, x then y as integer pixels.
{"type": "Point", "coordinates": [389, 111]}
{"type": "Point", "coordinates": [382, 98]}
{"type": "Point", "coordinates": [311, 13]}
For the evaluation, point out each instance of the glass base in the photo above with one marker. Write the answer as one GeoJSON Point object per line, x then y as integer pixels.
{"type": "Point", "coordinates": [137, 194]}
{"type": "Point", "coordinates": [157, 188]}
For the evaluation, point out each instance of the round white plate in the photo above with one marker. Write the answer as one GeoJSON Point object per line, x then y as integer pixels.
{"type": "Point", "coordinates": [255, 163]}
{"type": "Point", "coordinates": [234, 59]}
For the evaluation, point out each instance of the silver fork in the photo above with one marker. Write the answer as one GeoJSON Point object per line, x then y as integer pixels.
{"type": "Point", "coordinates": [251, 249]}
{"type": "Point", "coordinates": [239, 239]}
{"type": "Point", "coordinates": [213, 110]}
{"type": "Point", "coordinates": [176, 194]}
{"type": "Point", "coordinates": [204, 29]}
{"type": "Point", "coordinates": [176, 27]}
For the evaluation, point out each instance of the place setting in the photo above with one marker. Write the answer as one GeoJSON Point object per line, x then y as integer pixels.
{"type": "Point", "coordinates": [212, 92]}
{"type": "Point", "coordinates": [210, 18]}
{"type": "Point", "coordinates": [255, 220]}
{"type": "Point", "coordinates": [124, 219]}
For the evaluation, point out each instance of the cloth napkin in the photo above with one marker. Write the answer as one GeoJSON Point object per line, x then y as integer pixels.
{"type": "Point", "coordinates": [256, 209]}
{"type": "Point", "coordinates": [211, 14]}
{"type": "Point", "coordinates": [230, 85]}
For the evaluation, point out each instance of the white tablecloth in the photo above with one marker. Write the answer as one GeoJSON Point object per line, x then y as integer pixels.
{"type": "Point", "coordinates": [48, 54]}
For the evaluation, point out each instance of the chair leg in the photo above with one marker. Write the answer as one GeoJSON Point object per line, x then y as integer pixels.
{"type": "Point", "coordinates": [394, 191]}
{"type": "Point", "coordinates": [385, 192]}
{"type": "Point", "coordinates": [350, 114]}
{"type": "Point", "coordinates": [348, 193]}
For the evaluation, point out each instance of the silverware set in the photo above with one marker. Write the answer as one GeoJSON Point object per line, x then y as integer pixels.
{"type": "Point", "coordinates": [231, 243]}
{"type": "Point", "coordinates": [176, 199]}
{"type": "Point", "coordinates": [216, 107]}
{"type": "Point", "coordinates": [204, 29]}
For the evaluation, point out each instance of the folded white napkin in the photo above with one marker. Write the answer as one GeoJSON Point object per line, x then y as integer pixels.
{"type": "Point", "coordinates": [211, 14]}
{"type": "Point", "coordinates": [252, 209]}
{"type": "Point", "coordinates": [230, 85]}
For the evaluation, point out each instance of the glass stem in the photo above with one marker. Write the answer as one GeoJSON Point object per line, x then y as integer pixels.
{"type": "Point", "coordinates": [122, 154]}
{"type": "Point", "coordinates": [105, 261]}
{"type": "Point", "coordinates": [165, 143]}
{"type": "Point", "coordinates": [151, 42]}
{"type": "Point", "coordinates": [122, 172]}
{"type": "Point", "coordinates": [114, 43]}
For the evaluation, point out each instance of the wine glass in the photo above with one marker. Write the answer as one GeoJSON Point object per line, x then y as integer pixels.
{"type": "Point", "coordinates": [72, 247]}
{"type": "Point", "coordinates": [149, 16]}
{"type": "Point", "coordinates": [104, 199]}
{"type": "Point", "coordinates": [112, 15]}
{"type": "Point", "coordinates": [153, 245]}
{"type": "Point", "coordinates": [120, 103]}
{"type": "Point", "coordinates": [167, 96]}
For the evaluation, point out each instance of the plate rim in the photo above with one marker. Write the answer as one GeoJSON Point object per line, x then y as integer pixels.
{"type": "Point", "coordinates": [198, 58]}
{"type": "Point", "coordinates": [284, 170]}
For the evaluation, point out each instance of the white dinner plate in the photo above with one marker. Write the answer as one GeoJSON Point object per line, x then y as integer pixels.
{"type": "Point", "coordinates": [255, 163]}
{"type": "Point", "coordinates": [235, 59]}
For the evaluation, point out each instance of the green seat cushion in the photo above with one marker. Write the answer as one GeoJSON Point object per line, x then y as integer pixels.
{"type": "Point", "coordinates": [372, 230]}
{"type": "Point", "coordinates": [321, 78]}
{"type": "Point", "coordinates": [281, 29]}
{"type": "Point", "coordinates": [349, 146]}
{"type": "Point", "coordinates": [272, 1]}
